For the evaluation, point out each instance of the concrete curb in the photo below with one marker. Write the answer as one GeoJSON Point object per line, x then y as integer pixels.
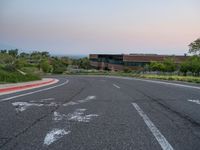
{"type": "Point", "coordinates": [28, 86]}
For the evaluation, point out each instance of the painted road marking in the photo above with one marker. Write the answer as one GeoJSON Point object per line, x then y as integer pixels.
{"type": "Point", "coordinates": [87, 99]}
{"type": "Point", "coordinates": [157, 134]}
{"type": "Point", "coordinates": [194, 101]}
{"type": "Point", "coordinates": [78, 116]}
{"type": "Point", "coordinates": [42, 100]}
{"type": "Point", "coordinates": [13, 97]}
{"type": "Point", "coordinates": [22, 106]}
{"type": "Point", "coordinates": [70, 103]}
{"type": "Point", "coordinates": [159, 82]}
{"type": "Point", "coordinates": [116, 86]}
{"type": "Point", "coordinates": [54, 135]}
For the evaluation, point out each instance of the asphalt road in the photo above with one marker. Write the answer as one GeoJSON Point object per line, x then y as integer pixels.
{"type": "Point", "coordinates": [101, 113]}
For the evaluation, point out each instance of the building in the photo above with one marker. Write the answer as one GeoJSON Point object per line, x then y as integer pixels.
{"type": "Point", "coordinates": [131, 61]}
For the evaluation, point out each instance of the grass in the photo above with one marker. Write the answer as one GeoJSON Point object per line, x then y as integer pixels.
{"type": "Point", "coordinates": [172, 77]}
{"type": "Point", "coordinates": [192, 79]}
{"type": "Point", "coordinates": [14, 77]}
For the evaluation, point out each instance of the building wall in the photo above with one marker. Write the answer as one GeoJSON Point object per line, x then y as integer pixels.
{"type": "Point", "coordinates": [134, 62]}
{"type": "Point", "coordinates": [149, 58]}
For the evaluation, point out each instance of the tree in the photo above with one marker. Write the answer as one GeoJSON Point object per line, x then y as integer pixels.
{"type": "Point", "coordinates": [57, 65]}
{"type": "Point", "coordinates": [6, 59]}
{"type": "Point", "coordinates": [45, 54]}
{"type": "Point", "coordinates": [45, 66]}
{"type": "Point", "coordinates": [194, 47]}
{"type": "Point", "coordinates": [84, 63]}
{"type": "Point", "coordinates": [191, 65]}
{"type": "Point", "coordinates": [169, 65]}
{"type": "Point", "coordinates": [156, 66]}
{"type": "Point", "coordinates": [184, 67]}
{"type": "Point", "coordinates": [3, 51]}
{"type": "Point", "coordinates": [194, 65]}
{"type": "Point", "coordinates": [20, 63]}
{"type": "Point", "coordinates": [13, 53]}
{"type": "Point", "coordinates": [24, 55]}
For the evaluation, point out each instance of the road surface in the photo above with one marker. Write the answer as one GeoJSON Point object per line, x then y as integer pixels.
{"type": "Point", "coordinates": [102, 113]}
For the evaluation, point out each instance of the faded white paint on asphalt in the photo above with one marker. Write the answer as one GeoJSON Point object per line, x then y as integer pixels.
{"type": "Point", "coordinates": [21, 106]}
{"type": "Point", "coordinates": [58, 117]}
{"type": "Point", "coordinates": [194, 101]}
{"type": "Point", "coordinates": [43, 100]}
{"type": "Point", "coordinates": [87, 99]}
{"type": "Point", "coordinates": [70, 103]}
{"type": "Point", "coordinates": [77, 115]}
{"type": "Point", "coordinates": [54, 135]}
{"type": "Point", "coordinates": [116, 86]}
{"type": "Point", "coordinates": [157, 134]}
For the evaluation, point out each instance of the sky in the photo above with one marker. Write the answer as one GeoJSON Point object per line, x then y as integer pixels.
{"type": "Point", "coordinates": [81, 27]}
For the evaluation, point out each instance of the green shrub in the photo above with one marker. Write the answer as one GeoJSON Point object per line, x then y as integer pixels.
{"type": "Point", "coordinates": [14, 77]}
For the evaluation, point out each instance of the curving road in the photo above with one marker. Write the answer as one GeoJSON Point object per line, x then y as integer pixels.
{"type": "Point", "coordinates": [95, 113]}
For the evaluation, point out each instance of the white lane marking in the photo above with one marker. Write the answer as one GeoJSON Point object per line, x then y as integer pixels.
{"type": "Point", "coordinates": [116, 86]}
{"type": "Point", "coordinates": [159, 82]}
{"type": "Point", "coordinates": [159, 137]}
{"type": "Point", "coordinates": [54, 135]}
{"type": "Point", "coordinates": [87, 99]}
{"type": "Point", "coordinates": [194, 101]}
{"type": "Point", "coordinates": [9, 98]}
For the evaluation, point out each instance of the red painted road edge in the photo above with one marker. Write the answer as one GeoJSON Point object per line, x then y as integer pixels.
{"type": "Point", "coordinates": [14, 88]}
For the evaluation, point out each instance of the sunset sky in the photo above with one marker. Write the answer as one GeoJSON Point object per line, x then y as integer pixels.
{"type": "Point", "coordinates": [99, 26]}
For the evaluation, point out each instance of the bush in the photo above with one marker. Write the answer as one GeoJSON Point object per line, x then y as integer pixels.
{"type": "Point", "coordinates": [14, 77]}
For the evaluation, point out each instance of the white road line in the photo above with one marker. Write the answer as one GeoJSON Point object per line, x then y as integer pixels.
{"type": "Point", "coordinates": [9, 98]}
{"type": "Point", "coordinates": [194, 101]}
{"type": "Point", "coordinates": [159, 82]}
{"type": "Point", "coordinates": [159, 137]}
{"type": "Point", "coordinates": [116, 86]}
